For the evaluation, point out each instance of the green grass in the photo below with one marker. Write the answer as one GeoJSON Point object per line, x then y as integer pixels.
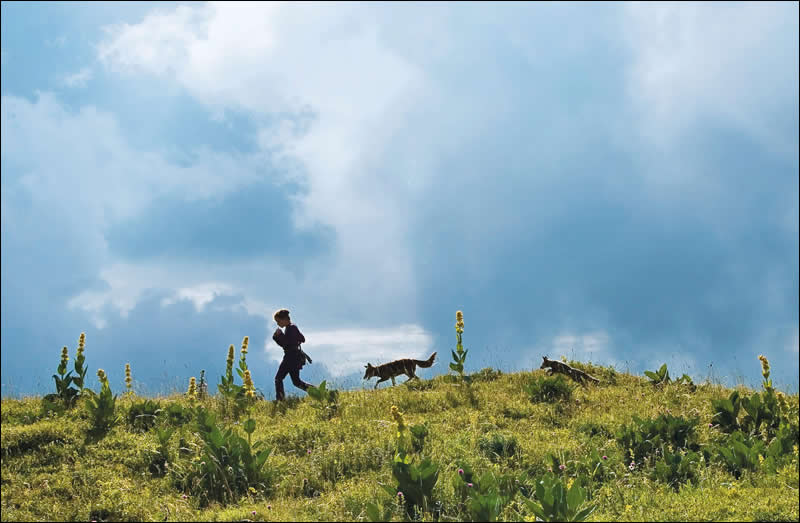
{"type": "Point", "coordinates": [331, 469]}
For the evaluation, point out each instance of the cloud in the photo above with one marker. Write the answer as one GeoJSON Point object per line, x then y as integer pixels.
{"type": "Point", "coordinates": [79, 79]}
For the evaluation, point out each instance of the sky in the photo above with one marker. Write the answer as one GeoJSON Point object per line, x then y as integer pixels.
{"type": "Point", "coordinates": [612, 182]}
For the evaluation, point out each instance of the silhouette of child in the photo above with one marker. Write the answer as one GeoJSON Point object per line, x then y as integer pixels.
{"type": "Point", "coordinates": [293, 358]}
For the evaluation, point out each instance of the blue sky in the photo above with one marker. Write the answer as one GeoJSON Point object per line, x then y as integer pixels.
{"type": "Point", "coordinates": [611, 182]}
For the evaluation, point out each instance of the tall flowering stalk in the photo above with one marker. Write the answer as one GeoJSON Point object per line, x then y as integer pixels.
{"type": "Point", "coordinates": [226, 382]}
{"type": "Point", "coordinates": [202, 387]}
{"type": "Point", "coordinates": [249, 388]}
{"type": "Point", "coordinates": [243, 358]}
{"type": "Point", "coordinates": [191, 392]}
{"type": "Point", "coordinates": [459, 355]}
{"type": "Point", "coordinates": [64, 379]}
{"type": "Point", "coordinates": [765, 372]}
{"type": "Point", "coordinates": [101, 406]}
{"type": "Point", "coordinates": [128, 380]}
{"type": "Point", "coordinates": [80, 359]}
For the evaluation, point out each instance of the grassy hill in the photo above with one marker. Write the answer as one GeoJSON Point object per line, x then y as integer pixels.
{"type": "Point", "coordinates": [490, 441]}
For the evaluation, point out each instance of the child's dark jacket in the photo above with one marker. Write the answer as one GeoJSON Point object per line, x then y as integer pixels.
{"type": "Point", "coordinates": [290, 341]}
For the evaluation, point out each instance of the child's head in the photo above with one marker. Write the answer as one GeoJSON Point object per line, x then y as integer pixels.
{"type": "Point", "coordinates": [282, 317]}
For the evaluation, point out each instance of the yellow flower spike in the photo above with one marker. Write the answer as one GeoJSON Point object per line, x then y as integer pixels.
{"type": "Point", "coordinates": [230, 354]}
{"type": "Point", "coordinates": [101, 375]}
{"type": "Point", "coordinates": [249, 388]}
{"type": "Point", "coordinates": [192, 391]}
{"type": "Point", "coordinates": [64, 355]}
{"type": "Point", "coordinates": [81, 343]}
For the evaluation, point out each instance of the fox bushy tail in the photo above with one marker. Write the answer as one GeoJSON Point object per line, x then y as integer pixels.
{"type": "Point", "coordinates": [427, 363]}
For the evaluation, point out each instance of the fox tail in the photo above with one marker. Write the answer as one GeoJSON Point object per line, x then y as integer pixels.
{"type": "Point", "coordinates": [427, 363]}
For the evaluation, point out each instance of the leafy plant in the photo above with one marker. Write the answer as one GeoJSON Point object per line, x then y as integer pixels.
{"type": "Point", "coordinates": [726, 412]}
{"type": "Point", "coordinates": [142, 415]}
{"type": "Point", "coordinates": [484, 498]}
{"type": "Point", "coordinates": [415, 481]}
{"type": "Point", "coordinates": [326, 400]}
{"type": "Point", "coordinates": [177, 414]}
{"type": "Point", "coordinates": [498, 446]}
{"type": "Point", "coordinates": [741, 452]}
{"type": "Point", "coordinates": [227, 465]}
{"type": "Point", "coordinates": [64, 391]}
{"type": "Point", "coordinates": [675, 468]}
{"type": "Point", "coordinates": [202, 387]}
{"type": "Point", "coordinates": [643, 437]}
{"type": "Point", "coordinates": [548, 388]}
{"type": "Point", "coordinates": [554, 502]}
{"type": "Point", "coordinates": [101, 407]}
{"type": "Point", "coordinates": [459, 355]}
{"type": "Point", "coordinates": [659, 377]}
{"type": "Point", "coordinates": [158, 465]}
{"type": "Point", "coordinates": [418, 435]}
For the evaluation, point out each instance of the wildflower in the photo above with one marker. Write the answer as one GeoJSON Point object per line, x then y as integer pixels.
{"type": "Point", "coordinates": [101, 375]}
{"type": "Point", "coordinates": [460, 472]}
{"type": "Point", "coordinates": [760, 460]}
{"type": "Point", "coordinates": [229, 361]}
{"type": "Point", "coordinates": [710, 425]}
{"type": "Point", "coordinates": [764, 366]}
{"type": "Point", "coordinates": [398, 418]}
{"type": "Point", "coordinates": [192, 390]}
{"type": "Point", "coordinates": [549, 469]}
{"type": "Point", "coordinates": [245, 341]}
{"type": "Point", "coordinates": [469, 485]}
{"type": "Point", "coordinates": [128, 378]}
{"type": "Point", "coordinates": [400, 495]}
{"type": "Point", "coordinates": [308, 452]}
{"type": "Point", "coordinates": [249, 388]}
{"type": "Point", "coordinates": [628, 508]}
{"type": "Point", "coordinates": [605, 457]}
{"type": "Point", "coordinates": [562, 467]}
{"type": "Point", "coordinates": [202, 463]}
{"type": "Point", "coordinates": [632, 466]}
{"type": "Point", "coordinates": [269, 507]}
{"type": "Point", "coordinates": [64, 355]}
{"type": "Point", "coordinates": [252, 490]}
{"type": "Point", "coordinates": [253, 512]}
{"type": "Point", "coordinates": [81, 346]}
{"type": "Point", "coordinates": [570, 482]}
{"type": "Point", "coordinates": [459, 322]}
{"type": "Point", "coordinates": [184, 496]}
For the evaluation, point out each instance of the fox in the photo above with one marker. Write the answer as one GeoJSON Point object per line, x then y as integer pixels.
{"type": "Point", "coordinates": [395, 368]}
{"type": "Point", "coordinates": [557, 366]}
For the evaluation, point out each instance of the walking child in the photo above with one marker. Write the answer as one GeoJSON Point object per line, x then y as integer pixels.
{"type": "Point", "coordinates": [293, 356]}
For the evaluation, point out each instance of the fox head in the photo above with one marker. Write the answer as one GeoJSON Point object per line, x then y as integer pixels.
{"type": "Point", "coordinates": [370, 372]}
{"type": "Point", "coordinates": [544, 362]}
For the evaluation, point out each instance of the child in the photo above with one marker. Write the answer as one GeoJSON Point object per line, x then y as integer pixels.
{"type": "Point", "coordinates": [293, 358]}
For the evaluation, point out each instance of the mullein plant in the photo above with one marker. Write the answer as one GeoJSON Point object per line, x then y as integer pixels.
{"type": "Point", "coordinates": [415, 482]}
{"type": "Point", "coordinates": [64, 379]}
{"type": "Point", "coordinates": [459, 355]}
{"type": "Point", "coordinates": [191, 392]}
{"type": "Point", "coordinates": [202, 387]}
{"type": "Point", "coordinates": [128, 380]}
{"type": "Point", "coordinates": [80, 368]}
{"type": "Point", "coordinates": [243, 358]}
{"type": "Point", "coordinates": [226, 382]}
{"type": "Point", "coordinates": [101, 406]}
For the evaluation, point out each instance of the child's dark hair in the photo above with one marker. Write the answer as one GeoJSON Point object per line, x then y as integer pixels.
{"type": "Point", "coordinates": [281, 314]}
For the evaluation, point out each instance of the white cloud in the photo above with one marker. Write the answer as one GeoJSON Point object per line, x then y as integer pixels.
{"type": "Point", "coordinates": [79, 79]}
{"type": "Point", "coordinates": [289, 61]}
{"type": "Point", "coordinates": [730, 64]}
{"type": "Point", "coordinates": [348, 350]}
{"type": "Point", "coordinates": [200, 295]}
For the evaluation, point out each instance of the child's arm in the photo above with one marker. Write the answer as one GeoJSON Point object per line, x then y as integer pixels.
{"type": "Point", "coordinates": [294, 336]}
{"type": "Point", "coordinates": [279, 338]}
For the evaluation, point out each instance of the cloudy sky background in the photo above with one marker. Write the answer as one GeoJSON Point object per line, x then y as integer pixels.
{"type": "Point", "coordinates": [612, 182]}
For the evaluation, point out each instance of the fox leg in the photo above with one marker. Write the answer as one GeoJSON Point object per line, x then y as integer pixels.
{"type": "Point", "coordinates": [392, 381]}
{"type": "Point", "coordinates": [377, 382]}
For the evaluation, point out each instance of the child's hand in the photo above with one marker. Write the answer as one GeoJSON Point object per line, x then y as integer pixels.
{"type": "Point", "coordinates": [277, 331]}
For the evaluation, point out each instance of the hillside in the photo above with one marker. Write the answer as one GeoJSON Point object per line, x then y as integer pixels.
{"type": "Point", "coordinates": [328, 464]}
